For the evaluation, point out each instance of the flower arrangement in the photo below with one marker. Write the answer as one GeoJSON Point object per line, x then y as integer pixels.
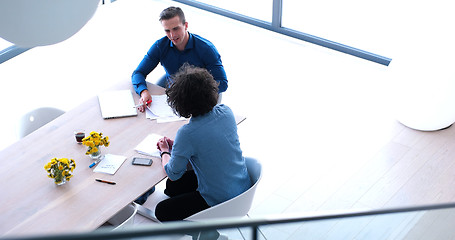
{"type": "Point", "coordinates": [94, 141]}
{"type": "Point", "coordinates": [60, 169]}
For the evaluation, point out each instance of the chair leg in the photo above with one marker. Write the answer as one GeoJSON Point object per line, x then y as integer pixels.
{"type": "Point", "coordinates": [145, 212]}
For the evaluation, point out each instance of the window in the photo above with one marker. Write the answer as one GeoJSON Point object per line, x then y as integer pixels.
{"type": "Point", "coordinates": [361, 24]}
{"type": "Point", "coordinates": [347, 26]}
{"type": "Point", "coordinates": [259, 9]}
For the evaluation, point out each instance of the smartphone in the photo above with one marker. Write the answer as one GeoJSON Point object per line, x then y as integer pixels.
{"type": "Point", "coordinates": [142, 161]}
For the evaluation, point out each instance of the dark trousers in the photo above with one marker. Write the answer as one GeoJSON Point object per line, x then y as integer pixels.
{"type": "Point", "coordinates": [184, 200]}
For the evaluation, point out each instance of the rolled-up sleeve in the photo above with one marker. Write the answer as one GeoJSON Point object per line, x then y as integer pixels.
{"type": "Point", "coordinates": [181, 153]}
{"type": "Point", "coordinates": [176, 167]}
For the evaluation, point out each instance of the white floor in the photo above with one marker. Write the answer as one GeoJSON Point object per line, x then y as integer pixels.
{"type": "Point", "coordinates": [314, 116]}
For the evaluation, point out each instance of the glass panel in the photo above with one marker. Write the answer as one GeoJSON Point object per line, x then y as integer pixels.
{"type": "Point", "coordinates": [366, 25]}
{"type": "Point", "coordinates": [434, 224]}
{"type": "Point", "coordinates": [429, 224]}
{"type": "Point", "coordinates": [259, 9]}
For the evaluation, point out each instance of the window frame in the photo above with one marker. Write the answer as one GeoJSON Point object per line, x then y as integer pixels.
{"type": "Point", "coordinates": [276, 26]}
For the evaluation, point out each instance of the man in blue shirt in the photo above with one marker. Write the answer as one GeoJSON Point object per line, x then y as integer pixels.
{"type": "Point", "coordinates": [178, 47]}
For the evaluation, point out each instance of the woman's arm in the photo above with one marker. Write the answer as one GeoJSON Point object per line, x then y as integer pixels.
{"type": "Point", "coordinates": [165, 146]}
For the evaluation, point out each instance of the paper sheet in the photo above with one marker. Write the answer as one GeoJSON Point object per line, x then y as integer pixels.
{"type": "Point", "coordinates": [161, 111]}
{"type": "Point", "coordinates": [159, 106]}
{"type": "Point", "coordinates": [110, 164]}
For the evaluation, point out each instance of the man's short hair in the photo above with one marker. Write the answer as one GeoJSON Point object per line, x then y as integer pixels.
{"type": "Point", "coordinates": [171, 12]}
{"type": "Point", "coordinates": [194, 91]}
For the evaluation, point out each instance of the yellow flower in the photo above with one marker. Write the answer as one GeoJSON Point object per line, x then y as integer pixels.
{"type": "Point", "coordinates": [60, 168]}
{"type": "Point", "coordinates": [64, 161]}
{"type": "Point", "coordinates": [48, 165]}
{"type": "Point", "coordinates": [93, 141]}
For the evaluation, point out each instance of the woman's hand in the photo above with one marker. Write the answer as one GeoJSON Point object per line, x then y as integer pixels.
{"type": "Point", "coordinates": [165, 144]}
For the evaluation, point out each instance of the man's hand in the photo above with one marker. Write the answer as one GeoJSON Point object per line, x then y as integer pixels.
{"type": "Point", "coordinates": [145, 97]}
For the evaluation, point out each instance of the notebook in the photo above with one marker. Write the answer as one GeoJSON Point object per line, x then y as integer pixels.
{"type": "Point", "coordinates": [115, 104]}
{"type": "Point", "coordinates": [148, 145]}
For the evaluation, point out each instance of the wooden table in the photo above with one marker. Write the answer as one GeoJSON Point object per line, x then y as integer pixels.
{"type": "Point", "coordinates": [30, 201]}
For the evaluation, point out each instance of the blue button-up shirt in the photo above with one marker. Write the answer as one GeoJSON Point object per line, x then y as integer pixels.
{"type": "Point", "coordinates": [211, 144]}
{"type": "Point", "coordinates": [198, 52]}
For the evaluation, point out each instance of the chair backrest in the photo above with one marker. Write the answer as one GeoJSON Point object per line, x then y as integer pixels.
{"type": "Point", "coordinates": [36, 119]}
{"type": "Point", "coordinates": [238, 206]}
{"type": "Point", "coordinates": [125, 217]}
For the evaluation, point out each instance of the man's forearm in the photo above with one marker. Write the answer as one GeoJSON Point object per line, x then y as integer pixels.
{"type": "Point", "coordinates": [139, 83]}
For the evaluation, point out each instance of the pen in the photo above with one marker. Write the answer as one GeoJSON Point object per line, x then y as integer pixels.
{"type": "Point", "coordinates": [96, 162]}
{"type": "Point", "coordinates": [149, 101]}
{"type": "Point", "coordinates": [104, 181]}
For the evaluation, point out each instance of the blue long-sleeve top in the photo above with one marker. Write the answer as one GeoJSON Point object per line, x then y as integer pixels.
{"type": "Point", "coordinates": [211, 144]}
{"type": "Point", "coordinates": [198, 52]}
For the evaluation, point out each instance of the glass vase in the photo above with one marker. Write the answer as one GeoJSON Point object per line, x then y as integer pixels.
{"type": "Point", "coordinates": [61, 182]}
{"type": "Point", "coordinates": [96, 155]}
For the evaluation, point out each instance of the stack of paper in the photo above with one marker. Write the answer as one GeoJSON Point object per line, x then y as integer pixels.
{"type": "Point", "coordinates": [161, 111]}
{"type": "Point", "coordinates": [148, 145]}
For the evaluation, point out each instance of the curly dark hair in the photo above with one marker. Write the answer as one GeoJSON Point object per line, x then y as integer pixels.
{"type": "Point", "coordinates": [194, 91]}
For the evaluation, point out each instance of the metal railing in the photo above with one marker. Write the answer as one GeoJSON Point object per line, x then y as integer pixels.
{"type": "Point", "coordinates": [357, 220]}
{"type": "Point", "coordinates": [10, 52]}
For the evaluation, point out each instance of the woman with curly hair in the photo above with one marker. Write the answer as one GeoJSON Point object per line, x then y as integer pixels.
{"type": "Point", "coordinates": [204, 163]}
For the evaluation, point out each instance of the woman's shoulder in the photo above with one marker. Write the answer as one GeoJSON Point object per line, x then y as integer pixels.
{"type": "Point", "coordinates": [223, 108]}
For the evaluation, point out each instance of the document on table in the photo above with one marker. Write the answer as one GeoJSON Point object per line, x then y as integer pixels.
{"type": "Point", "coordinates": [161, 111]}
{"type": "Point", "coordinates": [159, 106]}
{"type": "Point", "coordinates": [110, 164]}
{"type": "Point", "coordinates": [148, 145]}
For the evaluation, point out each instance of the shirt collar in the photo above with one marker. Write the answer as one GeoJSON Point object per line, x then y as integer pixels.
{"type": "Point", "coordinates": [189, 44]}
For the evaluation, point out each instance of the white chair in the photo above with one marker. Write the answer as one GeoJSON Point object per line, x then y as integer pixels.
{"type": "Point", "coordinates": [125, 217]}
{"type": "Point", "coordinates": [36, 119]}
{"type": "Point", "coordinates": [235, 207]}
{"type": "Point", "coordinates": [238, 206]}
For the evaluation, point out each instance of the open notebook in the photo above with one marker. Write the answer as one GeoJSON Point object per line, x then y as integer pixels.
{"type": "Point", "coordinates": [115, 104]}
